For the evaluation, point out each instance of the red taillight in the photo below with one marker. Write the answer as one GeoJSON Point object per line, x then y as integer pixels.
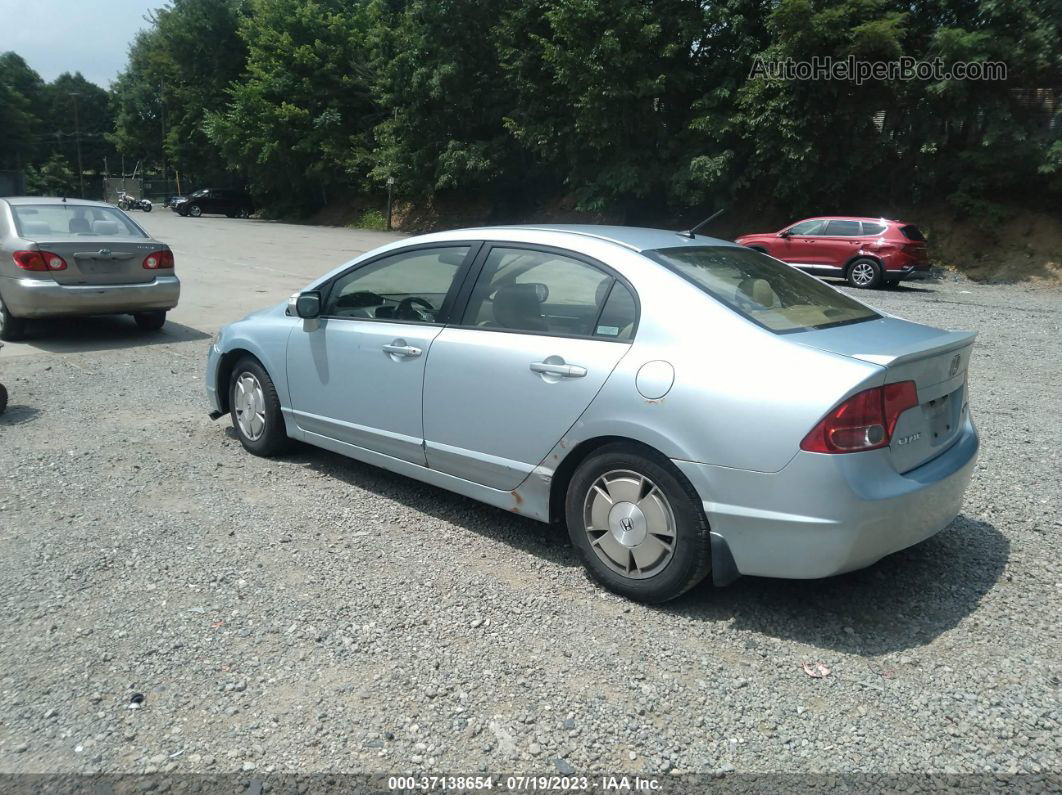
{"type": "Point", "coordinates": [158, 259]}
{"type": "Point", "coordinates": [863, 422]}
{"type": "Point", "coordinates": [39, 261]}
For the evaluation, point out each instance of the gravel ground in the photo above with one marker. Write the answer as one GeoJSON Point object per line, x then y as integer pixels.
{"type": "Point", "coordinates": [314, 614]}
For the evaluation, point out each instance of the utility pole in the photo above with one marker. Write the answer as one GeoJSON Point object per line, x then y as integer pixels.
{"type": "Point", "coordinates": [162, 121]}
{"type": "Point", "coordinates": [77, 132]}
{"type": "Point", "coordinates": [390, 187]}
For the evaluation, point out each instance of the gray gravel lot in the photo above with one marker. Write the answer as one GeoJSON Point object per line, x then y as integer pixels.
{"type": "Point", "coordinates": [314, 614]}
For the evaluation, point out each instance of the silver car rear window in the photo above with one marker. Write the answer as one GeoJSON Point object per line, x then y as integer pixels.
{"type": "Point", "coordinates": [40, 221]}
{"type": "Point", "coordinates": [770, 293]}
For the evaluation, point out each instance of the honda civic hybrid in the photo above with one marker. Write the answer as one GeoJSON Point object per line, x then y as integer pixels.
{"type": "Point", "coordinates": [687, 407]}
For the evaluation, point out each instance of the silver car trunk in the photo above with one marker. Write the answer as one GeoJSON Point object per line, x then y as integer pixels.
{"type": "Point", "coordinates": [99, 260]}
{"type": "Point", "coordinates": [935, 360]}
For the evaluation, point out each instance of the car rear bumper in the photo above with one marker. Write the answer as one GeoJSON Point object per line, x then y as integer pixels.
{"type": "Point", "coordinates": [827, 514]}
{"type": "Point", "coordinates": [28, 298]}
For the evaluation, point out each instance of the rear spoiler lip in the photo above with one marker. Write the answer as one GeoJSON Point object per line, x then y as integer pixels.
{"type": "Point", "coordinates": [945, 343]}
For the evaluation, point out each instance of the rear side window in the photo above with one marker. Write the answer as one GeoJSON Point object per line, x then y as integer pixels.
{"type": "Point", "coordinates": [871, 229]}
{"type": "Point", "coordinates": [844, 228]}
{"type": "Point", "coordinates": [548, 293]}
{"type": "Point", "coordinates": [912, 233]}
{"type": "Point", "coordinates": [39, 221]}
{"type": "Point", "coordinates": [770, 293]}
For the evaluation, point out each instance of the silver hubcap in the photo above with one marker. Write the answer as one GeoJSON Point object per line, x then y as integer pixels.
{"type": "Point", "coordinates": [863, 273]}
{"type": "Point", "coordinates": [630, 524]}
{"type": "Point", "coordinates": [195, 211]}
{"type": "Point", "coordinates": [249, 404]}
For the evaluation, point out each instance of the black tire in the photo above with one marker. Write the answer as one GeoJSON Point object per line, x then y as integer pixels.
{"type": "Point", "coordinates": [12, 329]}
{"type": "Point", "coordinates": [3, 398]}
{"type": "Point", "coordinates": [150, 321]}
{"type": "Point", "coordinates": [864, 273]}
{"type": "Point", "coordinates": [146, 208]}
{"type": "Point", "coordinates": [274, 439]}
{"type": "Point", "coordinates": [195, 211]}
{"type": "Point", "coordinates": [690, 559]}
{"type": "Point", "coordinates": [243, 213]}
{"type": "Point", "coordinates": [230, 215]}
{"type": "Point", "coordinates": [124, 206]}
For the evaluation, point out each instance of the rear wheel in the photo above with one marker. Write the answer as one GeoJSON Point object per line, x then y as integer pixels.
{"type": "Point", "coordinates": [12, 328]}
{"type": "Point", "coordinates": [243, 213]}
{"type": "Point", "coordinates": [255, 409]}
{"type": "Point", "coordinates": [3, 398]}
{"type": "Point", "coordinates": [195, 211]}
{"type": "Point", "coordinates": [150, 321]}
{"type": "Point", "coordinates": [146, 208]}
{"type": "Point", "coordinates": [637, 524]}
{"type": "Point", "coordinates": [864, 273]}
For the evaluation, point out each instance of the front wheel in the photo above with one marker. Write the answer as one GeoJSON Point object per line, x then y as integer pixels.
{"type": "Point", "coordinates": [195, 211]}
{"type": "Point", "coordinates": [124, 206]}
{"type": "Point", "coordinates": [150, 321]}
{"type": "Point", "coordinates": [255, 409]}
{"type": "Point", "coordinates": [637, 524]}
{"type": "Point", "coordinates": [864, 273]}
{"type": "Point", "coordinates": [12, 329]}
{"type": "Point", "coordinates": [146, 208]}
{"type": "Point", "coordinates": [3, 398]}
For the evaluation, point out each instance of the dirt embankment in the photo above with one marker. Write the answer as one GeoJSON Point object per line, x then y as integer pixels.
{"type": "Point", "coordinates": [1021, 245]}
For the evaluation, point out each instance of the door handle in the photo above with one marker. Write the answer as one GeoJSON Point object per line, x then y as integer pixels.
{"type": "Point", "coordinates": [559, 370]}
{"type": "Point", "coordinates": [407, 351]}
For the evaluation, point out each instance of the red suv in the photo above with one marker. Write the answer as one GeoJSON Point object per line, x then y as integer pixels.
{"type": "Point", "coordinates": [868, 252]}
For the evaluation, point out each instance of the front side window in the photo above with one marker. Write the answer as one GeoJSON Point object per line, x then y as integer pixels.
{"type": "Point", "coordinates": [770, 293]}
{"type": "Point", "coordinates": [409, 286]}
{"type": "Point", "coordinates": [37, 221]}
{"type": "Point", "coordinates": [539, 291]}
{"type": "Point", "coordinates": [844, 229]}
{"type": "Point", "coordinates": [807, 228]}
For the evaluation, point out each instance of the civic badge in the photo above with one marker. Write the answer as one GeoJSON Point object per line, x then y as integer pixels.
{"type": "Point", "coordinates": [104, 252]}
{"type": "Point", "coordinates": [955, 364]}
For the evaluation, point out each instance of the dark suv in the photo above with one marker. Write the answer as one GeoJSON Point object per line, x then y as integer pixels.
{"type": "Point", "coordinates": [233, 203]}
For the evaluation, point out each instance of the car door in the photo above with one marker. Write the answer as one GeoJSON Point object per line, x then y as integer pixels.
{"type": "Point", "coordinates": [801, 245]}
{"type": "Point", "coordinates": [356, 374]}
{"type": "Point", "coordinates": [840, 243]}
{"type": "Point", "coordinates": [540, 332]}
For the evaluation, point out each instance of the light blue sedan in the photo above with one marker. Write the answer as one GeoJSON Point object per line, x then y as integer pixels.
{"type": "Point", "coordinates": [685, 405]}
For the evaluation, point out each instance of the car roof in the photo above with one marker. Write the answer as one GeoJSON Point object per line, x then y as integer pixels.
{"type": "Point", "coordinates": [850, 218]}
{"type": "Point", "coordinates": [19, 200]}
{"type": "Point", "coordinates": [636, 238]}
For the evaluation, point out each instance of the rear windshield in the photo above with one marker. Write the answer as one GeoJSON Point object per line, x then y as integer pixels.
{"type": "Point", "coordinates": [768, 292]}
{"type": "Point", "coordinates": [912, 233]}
{"type": "Point", "coordinates": [39, 221]}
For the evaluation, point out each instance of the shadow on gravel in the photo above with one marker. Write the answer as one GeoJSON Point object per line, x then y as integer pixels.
{"type": "Point", "coordinates": [19, 415]}
{"type": "Point", "coordinates": [101, 333]}
{"type": "Point", "coordinates": [903, 601]}
{"type": "Point", "coordinates": [535, 538]}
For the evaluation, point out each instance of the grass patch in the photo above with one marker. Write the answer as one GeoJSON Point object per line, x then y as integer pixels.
{"type": "Point", "coordinates": [371, 219]}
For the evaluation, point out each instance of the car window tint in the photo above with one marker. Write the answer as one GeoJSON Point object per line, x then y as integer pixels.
{"type": "Point", "coordinates": [527, 290]}
{"type": "Point", "coordinates": [619, 315]}
{"type": "Point", "coordinates": [408, 286]}
{"type": "Point", "coordinates": [844, 229]}
{"type": "Point", "coordinates": [768, 292]}
{"type": "Point", "coordinates": [872, 228]}
{"type": "Point", "coordinates": [808, 228]}
{"type": "Point", "coordinates": [913, 233]}
{"type": "Point", "coordinates": [37, 221]}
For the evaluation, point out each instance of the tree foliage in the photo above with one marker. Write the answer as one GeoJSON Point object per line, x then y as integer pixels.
{"type": "Point", "coordinates": [627, 108]}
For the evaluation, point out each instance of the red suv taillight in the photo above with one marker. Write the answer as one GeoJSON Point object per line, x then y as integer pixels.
{"type": "Point", "coordinates": [158, 259]}
{"type": "Point", "coordinates": [863, 422]}
{"type": "Point", "coordinates": [39, 261]}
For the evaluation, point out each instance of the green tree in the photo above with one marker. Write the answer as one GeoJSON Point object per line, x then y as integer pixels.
{"type": "Point", "coordinates": [55, 177]}
{"type": "Point", "coordinates": [20, 89]}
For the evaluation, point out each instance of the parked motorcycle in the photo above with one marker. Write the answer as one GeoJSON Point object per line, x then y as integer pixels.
{"type": "Point", "coordinates": [127, 202]}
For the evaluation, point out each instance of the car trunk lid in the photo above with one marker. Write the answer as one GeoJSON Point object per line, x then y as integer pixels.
{"type": "Point", "coordinates": [99, 261]}
{"type": "Point", "coordinates": [937, 361]}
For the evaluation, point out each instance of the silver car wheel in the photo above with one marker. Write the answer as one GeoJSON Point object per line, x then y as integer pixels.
{"type": "Point", "coordinates": [249, 404]}
{"type": "Point", "coordinates": [194, 211]}
{"type": "Point", "coordinates": [630, 524]}
{"type": "Point", "coordinates": [863, 273]}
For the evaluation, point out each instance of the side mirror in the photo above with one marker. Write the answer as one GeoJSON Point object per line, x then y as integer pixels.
{"type": "Point", "coordinates": [785, 233]}
{"type": "Point", "coordinates": [308, 305]}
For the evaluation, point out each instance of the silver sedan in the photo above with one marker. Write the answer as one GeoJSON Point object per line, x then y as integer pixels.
{"type": "Point", "coordinates": [684, 405]}
{"type": "Point", "coordinates": [72, 257]}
